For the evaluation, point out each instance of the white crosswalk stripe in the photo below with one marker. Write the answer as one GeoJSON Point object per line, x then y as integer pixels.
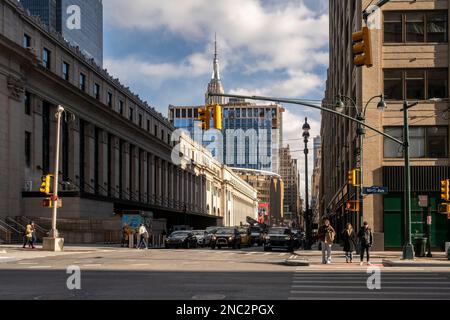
{"type": "Point", "coordinates": [308, 285]}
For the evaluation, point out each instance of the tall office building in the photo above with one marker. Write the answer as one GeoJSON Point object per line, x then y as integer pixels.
{"type": "Point", "coordinates": [248, 123]}
{"type": "Point", "coordinates": [245, 125]}
{"type": "Point", "coordinates": [80, 22]}
{"type": "Point", "coordinates": [410, 50]}
{"type": "Point", "coordinates": [290, 175]}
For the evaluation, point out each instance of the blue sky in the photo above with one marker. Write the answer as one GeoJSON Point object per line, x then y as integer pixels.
{"type": "Point", "coordinates": [163, 50]}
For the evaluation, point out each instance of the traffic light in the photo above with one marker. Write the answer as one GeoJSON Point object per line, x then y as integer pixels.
{"type": "Point", "coordinates": [353, 177]}
{"type": "Point", "coordinates": [46, 184]}
{"type": "Point", "coordinates": [218, 117]}
{"type": "Point", "coordinates": [362, 50]}
{"type": "Point", "coordinates": [352, 206]}
{"type": "Point", "coordinates": [445, 190]}
{"type": "Point", "coordinates": [204, 115]}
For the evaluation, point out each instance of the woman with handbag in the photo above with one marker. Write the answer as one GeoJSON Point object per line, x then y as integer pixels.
{"type": "Point", "coordinates": [349, 242]}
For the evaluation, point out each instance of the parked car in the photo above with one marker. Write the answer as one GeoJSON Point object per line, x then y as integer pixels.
{"type": "Point", "coordinates": [245, 236]}
{"type": "Point", "coordinates": [256, 235]}
{"type": "Point", "coordinates": [279, 238]}
{"type": "Point", "coordinates": [203, 238]}
{"type": "Point", "coordinates": [181, 239]}
{"type": "Point", "coordinates": [226, 237]}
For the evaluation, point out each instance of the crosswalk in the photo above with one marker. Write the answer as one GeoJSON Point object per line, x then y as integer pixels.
{"type": "Point", "coordinates": [229, 252]}
{"type": "Point", "coordinates": [360, 285]}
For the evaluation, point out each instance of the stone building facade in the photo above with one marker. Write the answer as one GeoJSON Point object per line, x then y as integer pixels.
{"type": "Point", "coordinates": [410, 50]}
{"type": "Point", "coordinates": [115, 148]}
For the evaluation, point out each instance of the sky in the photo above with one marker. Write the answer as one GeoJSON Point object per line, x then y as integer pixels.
{"type": "Point", "coordinates": [163, 50]}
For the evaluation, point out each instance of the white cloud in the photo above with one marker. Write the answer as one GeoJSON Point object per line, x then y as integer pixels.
{"type": "Point", "coordinates": [283, 37]}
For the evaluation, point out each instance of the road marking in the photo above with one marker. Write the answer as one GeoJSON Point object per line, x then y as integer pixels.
{"type": "Point", "coordinates": [92, 265]}
{"type": "Point", "coordinates": [28, 263]}
{"type": "Point", "coordinates": [296, 277]}
{"type": "Point", "coordinates": [267, 253]}
{"type": "Point", "coordinates": [39, 267]}
{"type": "Point", "coordinates": [365, 287]}
{"type": "Point", "coordinates": [383, 282]}
{"type": "Point", "coordinates": [337, 293]}
{"type": "Point", "coordinates": [140, 264]}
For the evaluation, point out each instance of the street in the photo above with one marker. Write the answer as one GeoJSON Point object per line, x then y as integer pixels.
{"type": "Point", "coordinates": [205, 274]}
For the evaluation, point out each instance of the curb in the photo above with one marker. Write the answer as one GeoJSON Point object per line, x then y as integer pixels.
{"type": "Point", "coordinates": [390, 263]}
{"type": "Point", "coordinates": [296, 262]}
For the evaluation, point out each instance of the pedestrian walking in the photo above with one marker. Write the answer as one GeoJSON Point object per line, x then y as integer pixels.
{"type": "Point", "coordinates": [365, 237]}
{"type": "Point", "coordinates": [34, 234]}
{"type": "Point", "coordinates": [143, 235]}
{"type": "Point", "coordinates": [349, 241]}
{"type": "Point", "coordinates": [125, 236]}
{"type": "Point", "coordinates": [29, 236]}
{"type": "Point", "coordinates": [326, 235]}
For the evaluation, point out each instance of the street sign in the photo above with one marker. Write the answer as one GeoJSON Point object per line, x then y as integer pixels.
{"type": "Point", "coordinates": [423, 201]}
{"type": "Point", "coordinates": [375, 190]}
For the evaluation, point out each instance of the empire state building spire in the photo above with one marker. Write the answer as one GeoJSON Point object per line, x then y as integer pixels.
{"type": "Point", "coordinates": [215, 85]}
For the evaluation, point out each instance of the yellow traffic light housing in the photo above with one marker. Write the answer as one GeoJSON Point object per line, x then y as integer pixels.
{"type": "Point", "coordinates": [353, 177]}
{"type": "Point", "coordinates": [445, 190]}
{"type": "Point", "coordinates": [204, 115]}
{"type": "Point", "coordinates": [218, 117]}
{"type": "Point", "coordinates": [362, 49]}
{"type": "Point", "coordinates": [46, 184]}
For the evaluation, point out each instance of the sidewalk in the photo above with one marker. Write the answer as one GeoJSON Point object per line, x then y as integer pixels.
{"type": "Point", "coordinates": [11, 253]}
{"type": "Point", "coordinates": [382, 258]}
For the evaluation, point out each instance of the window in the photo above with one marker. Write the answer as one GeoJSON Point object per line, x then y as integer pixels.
{"type": "Point", "coordinates": [183, 113]}
{"type": "Point", "coordinates": [156, 130]}
{"type": "Point", "coordinates": [426, 142]}
{"type": "Point", "coordinates": [415, 84]}
{"type": "Point", "coordinates": [196, 113]}
{"type": "Point", "coordinates": [162, 134]}
{"type": "Point", "coordinates": [121, 107]}
{"type": "Point", "coordinates": [437, 83]}
{"type": "Point", "coordinates": [189, 113]}
{"type": "Point", "coordinates": [416, 26]}
{"type": "Point", "coordinates": [437, 26]}
{"type": "Point", "coordinates": [131, 114]}
{"type": "Point", "coordinates": [110, 98]}
{"type": "Point", "coordinates": [26, 41]}
{"type": "Point", "coordinates": [28, 149]}
{"type": "Point", "coordinates": [46, 56]}
{"type": "Point", "coordinates": [177, 113]}
{"type": "Point", "coordinates": [437, 141]}
{"type": "Point", "coordinates": [27, 103]}
{"type": "Point", "coordinates": [83, 81]}
{"type": "Point", "coordinates": [140, 120]}
{"type": "Point", "coordinates": [168, 138]}
{"type": "Point", "coordinates": [97, 91]}
{"type": "Point", "coordinates": [65, 70]}
{"type": "Point", "coordinates": [148, 125]}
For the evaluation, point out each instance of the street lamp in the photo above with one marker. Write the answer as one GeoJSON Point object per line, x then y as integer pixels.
{"type": "Point", "coordinates": [53, 242]}
{"type": "Point", "coordinates": [360, 131]}
{"type": "Point", "coordinates": [306, 128]}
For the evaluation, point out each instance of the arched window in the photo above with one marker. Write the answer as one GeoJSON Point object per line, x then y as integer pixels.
{"type": "Point", "coordinates": [207, 208]}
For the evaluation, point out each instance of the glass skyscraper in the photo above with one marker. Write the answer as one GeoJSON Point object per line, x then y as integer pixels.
{"type": "Point", "coordinates": [80, 22]}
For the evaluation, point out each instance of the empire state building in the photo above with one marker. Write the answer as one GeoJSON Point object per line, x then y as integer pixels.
{"type": "Point", "coordinates": [215, 85]}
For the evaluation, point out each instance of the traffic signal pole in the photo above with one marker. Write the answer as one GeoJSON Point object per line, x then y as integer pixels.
{"type": "Point", "coordinates": [53, 242]}
{"type": "Point", "coordinates": [408, 250]}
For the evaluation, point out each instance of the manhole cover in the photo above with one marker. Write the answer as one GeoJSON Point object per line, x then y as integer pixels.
{"type": "Point", "coordinates": [209, 297]}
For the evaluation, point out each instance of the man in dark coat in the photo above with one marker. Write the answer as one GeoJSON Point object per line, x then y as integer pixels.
{"type": "Point", "coordinates": [365, 237]}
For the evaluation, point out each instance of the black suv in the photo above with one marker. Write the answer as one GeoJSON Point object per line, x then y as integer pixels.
{"type": "Point", "coordinates": [279, 238]}
{"type": "Point", "coordinates": [226, 237]}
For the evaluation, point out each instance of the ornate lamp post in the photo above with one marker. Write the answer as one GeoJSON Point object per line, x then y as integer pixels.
{"type": "Point", "coordinates": [306, 128]}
